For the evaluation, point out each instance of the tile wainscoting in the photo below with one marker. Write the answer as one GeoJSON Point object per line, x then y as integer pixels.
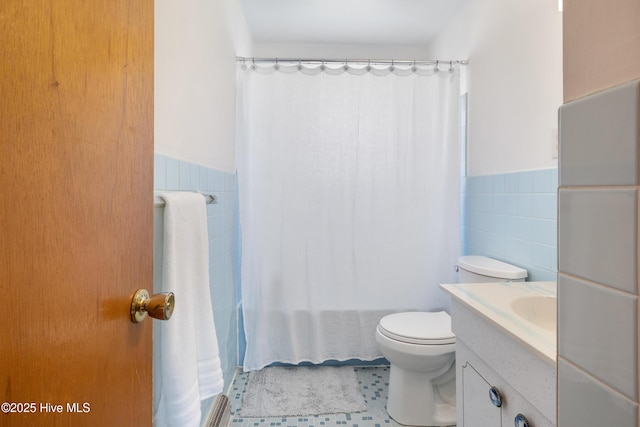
{"type": "Point", "coordinates": [224, 247]}
{"type": "Point", "coordinates": [513, 217]}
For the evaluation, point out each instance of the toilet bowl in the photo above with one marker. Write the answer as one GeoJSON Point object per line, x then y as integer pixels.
{"type": "Point", "coordinates": [420, 347]}
{"type": "Point", "coordinates": [421, 350]}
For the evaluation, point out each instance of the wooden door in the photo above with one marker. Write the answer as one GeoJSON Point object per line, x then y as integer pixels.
{"type": "Point", "coordinates": [76, 195]}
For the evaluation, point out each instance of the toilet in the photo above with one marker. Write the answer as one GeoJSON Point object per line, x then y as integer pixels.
{"type": "Point", "coordinates": [420, 347]}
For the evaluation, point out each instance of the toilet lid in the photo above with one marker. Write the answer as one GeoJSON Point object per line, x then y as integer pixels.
{"type": "Point", "coordinates": [419, 327]}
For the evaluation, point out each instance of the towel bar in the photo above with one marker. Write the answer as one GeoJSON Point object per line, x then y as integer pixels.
{"type": "Point", "coordinates": [158, 202]}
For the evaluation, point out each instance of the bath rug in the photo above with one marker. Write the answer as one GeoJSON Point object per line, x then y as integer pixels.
{"type": "Point", "coordinates": [302, 391]}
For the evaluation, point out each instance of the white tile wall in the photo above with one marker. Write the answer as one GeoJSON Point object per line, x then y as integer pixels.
{"type": "Point", "coordinates": [598, 235]}
{"type": "Point", "coordinates": [596, 342]}
{"type": "Point", "coordinates": [586, 401]}
{"type": "Point", "coordinates": [598, 259]}
{"type": "Point", "coordinates": [604, 128]}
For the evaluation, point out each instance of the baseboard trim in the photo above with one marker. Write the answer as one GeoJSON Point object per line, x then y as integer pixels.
{"type": "Point", "coordinates": [220, 413]}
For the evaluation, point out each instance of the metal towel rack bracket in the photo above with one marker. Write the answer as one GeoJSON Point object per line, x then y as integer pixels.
{"type": "Point", "coordinates": [158, 202]}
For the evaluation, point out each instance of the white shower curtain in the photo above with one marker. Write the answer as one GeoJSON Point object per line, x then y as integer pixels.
{"type": "Point", "coordinates": [349, 207]}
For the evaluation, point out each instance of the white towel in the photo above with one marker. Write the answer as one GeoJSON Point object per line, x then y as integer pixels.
{"type": "Point", "coordinates": [190, 364]}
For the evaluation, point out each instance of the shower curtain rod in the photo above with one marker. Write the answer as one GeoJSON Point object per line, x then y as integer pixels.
{"type": "Point", "coordinates": [359, 61]}
{"type": "Point", "coordinates": [158, 202]}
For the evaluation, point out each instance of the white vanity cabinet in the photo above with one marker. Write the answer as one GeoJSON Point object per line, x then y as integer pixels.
{"type": "Point", "coordinates": [490, 356]}
{"type": "Point", "coordinates": [474, 405]}
{"type": "Point", "coordinates": [475, 408]}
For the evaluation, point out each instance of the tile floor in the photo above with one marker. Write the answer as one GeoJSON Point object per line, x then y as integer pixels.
{"type": "Point", "coordinates": [374, 382]}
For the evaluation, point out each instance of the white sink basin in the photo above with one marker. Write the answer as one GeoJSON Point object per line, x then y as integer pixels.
{"type": "Point", "coordinates": [538, 310]}
{"type": "Point", "coordinates": [524, 310]}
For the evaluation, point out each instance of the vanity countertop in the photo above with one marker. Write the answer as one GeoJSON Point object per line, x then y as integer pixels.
{"type": "Point", "coordinates": [495, 301]}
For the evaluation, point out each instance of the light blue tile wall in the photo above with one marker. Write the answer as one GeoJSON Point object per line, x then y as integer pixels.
{"type": "Point", "coordinates": [224, 243]}
{"type": "Point", "coordinates": [513, 217]}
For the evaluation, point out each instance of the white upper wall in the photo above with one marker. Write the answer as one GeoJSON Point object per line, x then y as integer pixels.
{"type": "Point", "coordinates": [364, 22]}
{"type": "Point", "coordinates": [196, 42]}
{"type": "Point", "coordinates": [514, 80]}
{"type": "Point", "coordinates": [337, 51]}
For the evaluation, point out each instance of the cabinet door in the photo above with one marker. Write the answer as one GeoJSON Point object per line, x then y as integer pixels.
{"type": "Point", "coordinates": [477, 409]}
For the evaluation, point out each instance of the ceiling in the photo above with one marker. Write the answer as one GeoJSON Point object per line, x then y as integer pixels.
{"type": "Point", "coordinates": [377, 22]}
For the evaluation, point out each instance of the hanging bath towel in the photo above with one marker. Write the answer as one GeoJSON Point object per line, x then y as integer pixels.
{"type": "Point", "coordinates": [189, 362]}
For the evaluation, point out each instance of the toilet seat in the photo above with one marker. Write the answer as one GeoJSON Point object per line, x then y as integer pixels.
{"type": "Point", "coordinates": [418, 328]}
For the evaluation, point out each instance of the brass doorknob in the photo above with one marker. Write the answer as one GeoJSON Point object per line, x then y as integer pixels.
{"type": "Point", "coordinates": [159, 306]}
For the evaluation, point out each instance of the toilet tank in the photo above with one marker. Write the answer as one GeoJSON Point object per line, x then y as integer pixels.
{"type": "Point", "coordinates": [482, 269]}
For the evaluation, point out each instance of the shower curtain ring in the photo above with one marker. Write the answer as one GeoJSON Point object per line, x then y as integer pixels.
{"type": "Point", "coordinates": [369, 65]}
{"type": "Point", "coordinates": [414, 68]}
{"type": "Point", "coordinates": [322, 67]}
{"type": "Point", "coordinates": [392, 68]}
{"type": "Point", "coordinates": [253, 64]}
{"type": "Point", "coordinates": [276, 66]}
{"type": "Point", "coordinates": [451, 66]}
{"type": "Point", "coordinates": [436, 69]}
